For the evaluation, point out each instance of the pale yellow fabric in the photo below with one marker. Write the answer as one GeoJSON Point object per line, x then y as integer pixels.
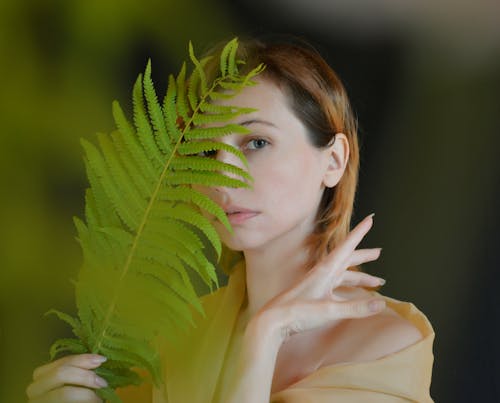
{"type": "Point", "coordinates": [201, 371]}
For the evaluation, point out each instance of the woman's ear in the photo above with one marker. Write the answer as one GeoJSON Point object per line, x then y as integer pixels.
{"type": "Point", "coordinates": [337, 156]}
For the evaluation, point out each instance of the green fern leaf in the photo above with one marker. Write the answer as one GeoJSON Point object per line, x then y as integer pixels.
{"type": "Point", "coordinates": [192, 89]}
{"type": "Point", "coordinates": [219, 113]}
{"type": "Point", "coordinates": [144, 131]}
{"type": "Point", "coordinates": [198, 147]}
{"type": "Point", "coordinates": [74, 346]}
{"type": "Point", "coordinates": [225, 56]}
{"type": "Point", "coordinates": [195, 163]}
{"type": "Point", "coordinates": [232, 62]}
{"type": "Point", "coordinates": [136, 152]}
{"type": "Point", "coordinates": [74, 323]}
{"type": "Point", "coordinates": [224, 109]}
{"type": "Point", "coordinates": [121, 174]}
{"type": "Point", "coordinates": [170, 110]}
{"type": "Point", "coordinates": [121, 376]}
{"type": "Point", "coordinates": [199, 68]}
{"type": "Point", "coordinates": [129, 163]}
{"type": "Point", "coordinates": [221, 96]}
{"type": "Point", "coordinates": [108, 395]}
{"type": "Point", "coordinates": [215, 132]}
{"type": "Point", "coordinates": [96, 164]}
{"type": "Point", "coordinates": [203, 178]}
{"type": "Point", "coordinates": [199, 199]}
{"type": "Point", "coordinates": [155, 112]}
{"type": "Point", "coordinates": [182, 106]}
{"type": "Point", "coordinates": [230, 86]}
{"type": "Point", "coordinates": [146, 228]}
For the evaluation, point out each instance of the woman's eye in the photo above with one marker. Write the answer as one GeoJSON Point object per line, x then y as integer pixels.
{"type": "Point", "coordinates": [256, 144]}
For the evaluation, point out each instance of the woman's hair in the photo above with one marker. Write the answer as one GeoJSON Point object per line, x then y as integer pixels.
{"type": "Point", "coordinates": [318, 99]}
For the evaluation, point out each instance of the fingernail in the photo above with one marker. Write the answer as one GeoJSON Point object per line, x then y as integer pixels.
{"type": "Point", "coordinates": [371, 215]}
{"type": "Point", "coordinates": [98, 359]}
{"type": "Point", "coordinates": [100, 382]}
{"type": "Point", "coordinates": [382, 281]}
{"type": "Point", "coordinates": [376, 305]}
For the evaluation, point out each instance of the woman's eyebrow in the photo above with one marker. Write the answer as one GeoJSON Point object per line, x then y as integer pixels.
{"type": "Point", "coordinates": [253, 121]}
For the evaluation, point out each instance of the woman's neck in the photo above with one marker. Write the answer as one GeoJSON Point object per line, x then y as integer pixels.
{"type": "Point", "coordinates": [271, 270]}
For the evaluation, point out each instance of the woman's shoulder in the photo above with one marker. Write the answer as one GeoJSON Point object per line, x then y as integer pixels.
{"type": "Point", "coordinates": [384, 357]}
{"type": "Point", "coordinates": [396, 328]}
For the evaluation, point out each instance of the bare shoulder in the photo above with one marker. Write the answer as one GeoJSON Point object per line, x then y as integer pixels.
{"type": "Point", "coordinates": [371, 338]}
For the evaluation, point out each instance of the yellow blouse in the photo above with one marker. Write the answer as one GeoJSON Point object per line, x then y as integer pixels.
{"type": "Point", "coordinates": [200, 371]}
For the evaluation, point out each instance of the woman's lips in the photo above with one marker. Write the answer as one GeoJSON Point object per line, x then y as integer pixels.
{"type": "Point", "coordinates": [239, 217]}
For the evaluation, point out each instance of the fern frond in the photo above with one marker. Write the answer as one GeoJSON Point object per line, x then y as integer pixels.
{"type": "Point", "coordinates": [199, 69]}
{"type": "Point", "coordinates": [224, 109]}
{"type": "Point", "coordinates": [155, 112]}
{"type": "Point", "coordinates": [219, 113]}
{"type": "Point", "coordinates": [197, 147]}
{"type": "Point", "coordinates": [136, 150]}
{"type": "Point", "coordinates": [230, 86]}
{"type": "Point", "coordinates": [97, 164]}
{"type": "Point", "coordinates": [215, 132]}
{"type": "Point", "coordinates": [130, 166]}
{"type": "Point", "coordinates": [146, 227]}
{"type": "Point", "coordinates": [195, 163]}
{"type": "Point", "coordinates": [226, 57]}
{"type": "Point", "coordinates": [199, 199]}
{"type": "Point", "coordinates": [144, 131]}
{"type": "Point", "coordinates": [170, 110]}
{"type": "Point", "coordinates": [182, 106]}
{"type": "Point", "coordinates": [136, 194]}
{"type": "Point", "coordinates": [74, 346]}
{"type": "Point", "coordinates": [192, 89]}
{"type": "Point", "coordinates": [75, 324]}
{"type": "Point", "coordinates": [203, 178]}
{"type": "Point", "coordinates": [232, 62]}
{"type": "Point", "coordinates": [221, 96]}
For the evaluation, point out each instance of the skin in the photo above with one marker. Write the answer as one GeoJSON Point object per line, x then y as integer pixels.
{"type": "Point", "coordinates": [289, 308]}
{"type": "Point", "coordinates": [68, 379]}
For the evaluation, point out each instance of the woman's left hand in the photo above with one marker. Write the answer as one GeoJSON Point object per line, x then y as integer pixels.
{"type": "Point", "coordinates": [312, 302]}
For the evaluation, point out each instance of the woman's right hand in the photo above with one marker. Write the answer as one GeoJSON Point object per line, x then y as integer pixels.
{"type": "Point", "coordinates": [68, 379]}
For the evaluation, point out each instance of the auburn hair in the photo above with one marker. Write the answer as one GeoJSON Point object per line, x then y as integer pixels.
{"type": "Point", "coordinates": [318, 98]}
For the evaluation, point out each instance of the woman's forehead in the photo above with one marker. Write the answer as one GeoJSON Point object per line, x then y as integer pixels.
{"type": "Point", "coordinates": [265, 96]}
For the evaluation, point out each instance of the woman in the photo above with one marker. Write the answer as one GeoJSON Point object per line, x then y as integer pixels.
{"type": "Point", "coordinates": [296, 322]}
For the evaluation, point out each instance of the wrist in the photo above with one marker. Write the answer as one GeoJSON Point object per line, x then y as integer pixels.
{"type": "Point", "coordinates": [254, 372]}
{"type": "Point", "coordinates": [265, 329]}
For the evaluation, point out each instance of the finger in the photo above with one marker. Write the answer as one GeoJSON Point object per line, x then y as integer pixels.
{"type": "Point", "coordinates": [308, 286]}
{"type": "Point", "coordinates": [311, 315]}
{"type": "Point", "coordinates": [360, 308]}
{"type": "Point", "coordinates": [69, 394]}
{"type": "Point", "coordinates": [64, 375]}
{"type": "Point", "coordinates": [359, 279]}
{"type": "Point", "coordinates": [85, 361]}
{"type": "Point", "coordinates": [361, 256]}
{"type": "Point", "coordinates": [341, 253]}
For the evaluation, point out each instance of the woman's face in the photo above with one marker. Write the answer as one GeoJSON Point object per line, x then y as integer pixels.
{"type": "Point", "coordinates": [288, 174]}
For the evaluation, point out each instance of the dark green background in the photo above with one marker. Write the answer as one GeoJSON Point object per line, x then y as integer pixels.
{"type": "Point", "coordinates": [423, 78]}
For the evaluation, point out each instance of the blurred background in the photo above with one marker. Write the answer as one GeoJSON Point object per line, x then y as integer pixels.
{"type": "Point", "coordinates": [423, 77]}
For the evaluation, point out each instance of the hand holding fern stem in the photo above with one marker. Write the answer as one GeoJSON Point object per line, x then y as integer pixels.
{"type": "Point", "coordinates": [307, 305]}
{"type": "Point", "coordinates": [68, 379]}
